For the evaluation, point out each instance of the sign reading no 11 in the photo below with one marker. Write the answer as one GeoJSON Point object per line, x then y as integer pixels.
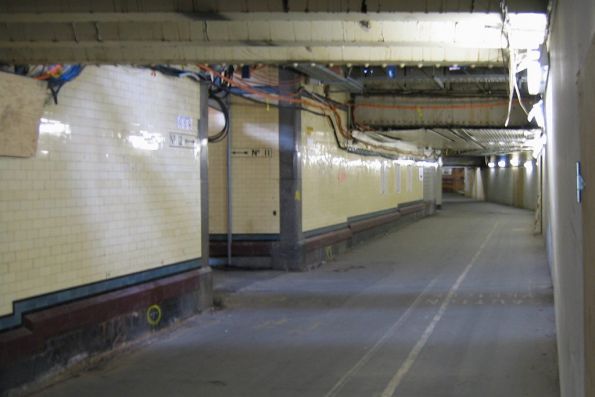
{"type": "Point", "coordinates": [252, 152]}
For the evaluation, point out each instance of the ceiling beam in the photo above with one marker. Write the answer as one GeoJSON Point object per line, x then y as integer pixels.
{"type": "Point", "coordinates": [258, 37]}
{"type": "Point", "coordinates": [217, 6]}
{"type": "Point", "coordinates": [168, 52]}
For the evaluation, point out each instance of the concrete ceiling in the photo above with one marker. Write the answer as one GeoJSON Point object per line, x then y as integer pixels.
{"type": "Point", "coordinates": [430, 32]}
{"type": "Point", "coordinates": [422, 35]}
{"type": "Point", "coordinates": [218, 6]}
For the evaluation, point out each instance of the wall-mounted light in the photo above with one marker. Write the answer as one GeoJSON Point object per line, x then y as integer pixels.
{"type": "Point", "coordinates": [502, 163]}
{"type": "Point", "coordinates": [491, 164]}
{"type": "Point", "coordinates": [514, 162]}
{"type": "Point", "coordinates": [528, 165]}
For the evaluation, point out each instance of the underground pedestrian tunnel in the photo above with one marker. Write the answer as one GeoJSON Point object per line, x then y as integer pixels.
{"type": "Point", "coordinates": [282, 198]}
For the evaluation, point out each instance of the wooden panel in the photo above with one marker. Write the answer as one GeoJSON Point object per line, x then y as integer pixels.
{"type": "Point", "coordinates": [586, 86]}
{"type": "Point", "coordinates": [21, 106]}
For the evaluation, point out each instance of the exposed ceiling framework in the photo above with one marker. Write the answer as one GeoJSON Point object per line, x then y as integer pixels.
{"type": "Point", "coordinates": [332, 78]}
{"type": "Point", "coordinates": [467, 141]}
{"type": "Point", "coordinates": [435, 81]}
{"type": "Point", "coordinates": [396, 112]}
{"type": "Point", "coordinates": [388, 51]}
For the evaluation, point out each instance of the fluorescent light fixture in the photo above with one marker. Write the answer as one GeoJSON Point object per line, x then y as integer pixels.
{"type": "Point", "coordinates": [538, 144]}
{"type": "Point", "coordinates": [427, 164]}
{"type": "Point", "coordinates": [534, 77]}
{"type": "Point", "coordinates": [502, 163]}
{"type": "Point", "coordinates": [537, 114]}
{"type": "Point", "coordinates": [491, 164]}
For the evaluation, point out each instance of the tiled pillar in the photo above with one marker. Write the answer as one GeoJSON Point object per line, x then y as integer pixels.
{"type": "Point", "coordinates": [289, 254]}
{"type": "Point", "coordinates": [203, 136]}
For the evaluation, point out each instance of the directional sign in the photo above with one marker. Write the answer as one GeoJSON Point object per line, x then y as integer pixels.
{"type": "Point", "coordinates": [181, 140]}
{"type": "Point", "coordinates": [252, 152]}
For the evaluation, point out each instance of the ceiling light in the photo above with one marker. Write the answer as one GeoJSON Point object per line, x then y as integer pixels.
{"type": "Point", "coordinates": [501, 143]}
{"type": "Point", "coordinates": [491, 164]}
{"type": "Point", "coordinates": [502, 163]}
{"type": "Point", "coordinates": [514, 162]}
{"type": "Point", "coordinates": [534, 77]}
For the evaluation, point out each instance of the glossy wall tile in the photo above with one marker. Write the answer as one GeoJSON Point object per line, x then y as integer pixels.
{"type": "Point", "coordinates": [113, 189]}
{"type": "Point", "coordinates": [255, 172]}
{"type": "Point", "coordinates": [337, 185]}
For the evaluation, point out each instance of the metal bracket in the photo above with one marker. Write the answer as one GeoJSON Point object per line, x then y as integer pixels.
{"type": "Point", "coordinates": [580, 183]}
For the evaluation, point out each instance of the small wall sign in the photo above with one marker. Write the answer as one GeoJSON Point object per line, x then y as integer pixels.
{"type": "Point", "coordinates": [184, 123]}
{"type": "Point", "coordinates": [182, 140]}
{"type": "Point", "coordinates": [252, 152]}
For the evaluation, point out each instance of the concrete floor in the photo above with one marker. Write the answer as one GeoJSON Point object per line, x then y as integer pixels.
{"type": "Point", "coordinates": [458, 304]}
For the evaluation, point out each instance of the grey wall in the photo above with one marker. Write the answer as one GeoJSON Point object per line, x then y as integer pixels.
{"type": "Point", "coordinates": [429, 183]}
{"type": "Point", "coordinates": [573, 26]}
{"type": "Point", "coordinates": [511, 186]}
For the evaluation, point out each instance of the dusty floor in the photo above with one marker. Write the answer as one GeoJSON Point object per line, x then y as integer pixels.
{"type": "Point", "coordinates": [458, 304]}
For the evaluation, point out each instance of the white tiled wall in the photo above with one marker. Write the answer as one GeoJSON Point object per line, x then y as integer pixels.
{"type": "Point", "coordinates": [337, 185]}
{"type": "Point", "coordinates": [255, 183]}
{"type": "Point", "coordinates": [105, 194]}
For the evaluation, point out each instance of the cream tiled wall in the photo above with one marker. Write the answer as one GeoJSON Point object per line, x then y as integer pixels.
{"type": "Point", "coordinates": [337, 185]}
{"type": "Point", "coordinates": [255, 181]}
{"type": "Point", "coordinates": [105, 195]}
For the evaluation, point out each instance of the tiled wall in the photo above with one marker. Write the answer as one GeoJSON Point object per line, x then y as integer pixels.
{"type": "Point", "coordinates": [255, 180]}
{"type": "Point", "coordinates": [337, 185]}
{"type": "Point", "coordinates": [105, 195]}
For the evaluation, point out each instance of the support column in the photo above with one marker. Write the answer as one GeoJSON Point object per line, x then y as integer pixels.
{"type": "Point", "coordinates": [203, 137]}
{"type": "Point", "coordinates": [289, 254]}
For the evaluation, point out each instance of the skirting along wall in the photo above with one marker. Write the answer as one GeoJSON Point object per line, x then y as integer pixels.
{"type": "Point", "coordinates": [310, 182]}
{"type": "Point", "coordinates": [337, 185]}
{"type": "Point", "coordinates": [111, 199]}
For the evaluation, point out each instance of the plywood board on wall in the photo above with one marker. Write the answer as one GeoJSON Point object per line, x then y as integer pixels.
{"type": "Point", "coordinates": [21, 106]}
